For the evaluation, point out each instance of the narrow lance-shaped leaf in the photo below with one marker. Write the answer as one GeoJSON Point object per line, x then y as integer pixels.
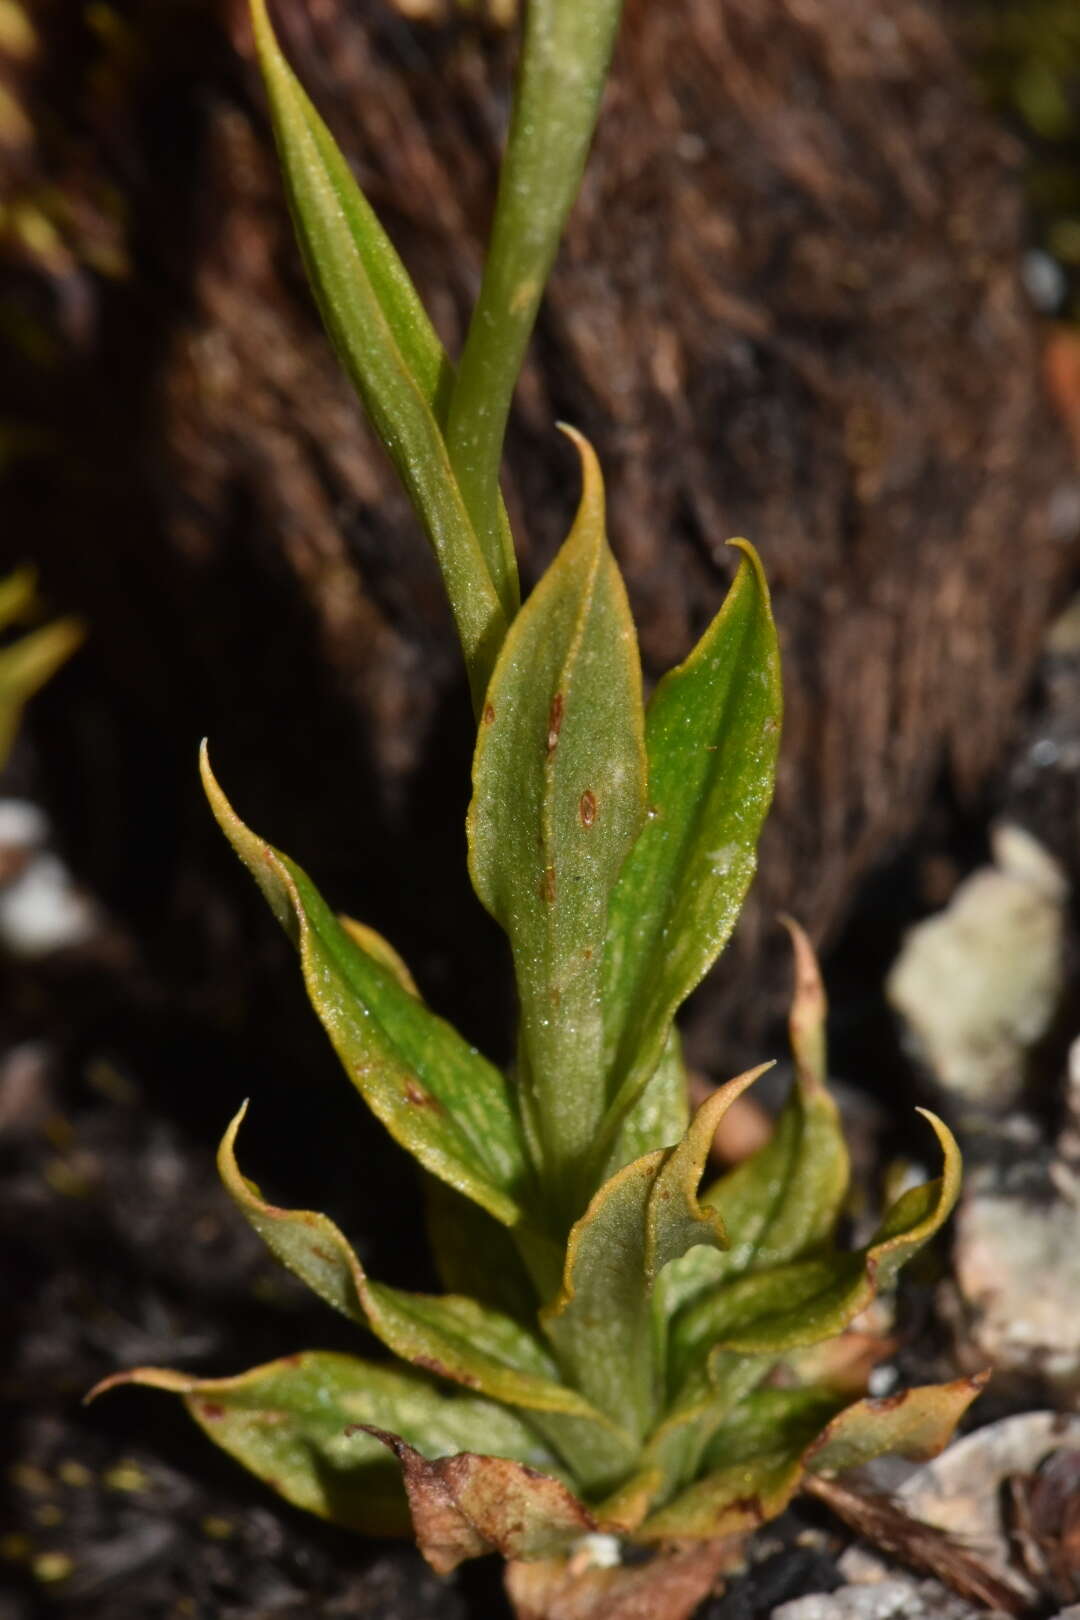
{"type": "Point", "coordinates": [912, 1423]}
{"type": "Point", "coordinates": [783, 1307]}
{"type": "Point", "coordinates": [712, 735]}
{"type": "Point", "coordinates": [295, 1423]}
{"type": "Point", "coordinates": [646, 1215]}
{"type": "Point", "coordinates": [389, 349]}
{"type": "Point", "coordinates": [564, 58]}
{"type": "Point", "coordinates": [449, 1335]}
{"type": "Point", "coordinates": [558, 798]}
{"type": "Point", "coordinates": [785, 1200]}
{"type": "Point", "coordinates": [434, 1093]}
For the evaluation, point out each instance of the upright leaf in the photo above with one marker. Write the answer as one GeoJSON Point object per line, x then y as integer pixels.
{"type": "Point", "coordinates": [712, 735]}
{"type": "Point", "coordinates": [558, 798]}
{"type": "Point", "coordinates": [297, 1424]}
{"type": "Point", "coordinates": [389, 349]}
{"type": "Point", "coordinates": [564, 57]}
{"type": "Point", "coordinates": [434, 1093]}
{"type": "Point", "coordinates": [600, 1323]}
{"type": "Point", "coordinates": [785, 1200]}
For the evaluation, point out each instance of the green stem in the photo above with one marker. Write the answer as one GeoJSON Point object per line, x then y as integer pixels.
{"type": "Point", "coordinates": [564, 61]}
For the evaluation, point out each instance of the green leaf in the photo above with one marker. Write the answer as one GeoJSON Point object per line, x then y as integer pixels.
{"type": "Point", "coordinates": [767, 1312]}
{"type": "Point", "coordinates": [913, 1423]}
{"type": "Point", "coordinates": [774, 1422]}
{"type": "Point", "coordinates": [601, 1323]}
{"type": "Point", "coordinates": [374, 945]}
{"type": "Point", "coordinates": [389, 349]}
{"type": "Point", "coordinates": [785, 1200]}
{"type": "Point", "coordinates": [757, 1457]}
{"type": "Point", "coordinates": [435, 1094]}
{"type": "Point", "coordinates": [294, 1423]}
{"type": "Point", "coordinates": [468, 1505]}
{"type": "Point", "coordinates": [756, 1462]}
{"type": "Point", "coordinates": [564, 58]}
{"type": "Point", "coordinates": [558, 798]}
{"type": "Point", "coordinates": [712, 734]}
{"type": "Point", "coordinates": [450, 1336]}
{"type": "Point", "coordinates": [661, 1114]}
{"type": "Point", "coordinates": [679, 1441]}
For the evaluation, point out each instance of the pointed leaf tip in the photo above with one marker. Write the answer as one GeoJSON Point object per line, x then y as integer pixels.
{"type": "Point", "coordinates": [809, 1008]}
{"type": "Point", "coordinates": [753, 557]}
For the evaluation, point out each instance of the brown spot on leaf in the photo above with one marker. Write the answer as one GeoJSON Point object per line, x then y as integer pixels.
{"type": "Point", "coordinates": [547, 885]}
{"type": "Point", "coordinates": [415, 1093]}
{"type": "Point", "coordinates": [587, 808]}
{"type": "Point", "coordinates": [211, 1411]}
{"type": "Point", "coordinates": [555, 720]}
{"type": "Point", "coordinates": [295, 1359]}
{"type": "Point", "coordinates": [321, 1254]}
{"type": "Point", "coordinates": [489, 713]}
{"type": "Point", "coordinates": [586, 954]}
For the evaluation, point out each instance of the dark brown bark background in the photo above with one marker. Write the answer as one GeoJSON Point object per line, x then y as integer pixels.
{"type": "Point", "coordinates": [788, 306]}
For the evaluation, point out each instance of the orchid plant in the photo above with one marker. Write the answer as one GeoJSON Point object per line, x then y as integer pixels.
{"type": "Point", "coordinates": [622, 1357]}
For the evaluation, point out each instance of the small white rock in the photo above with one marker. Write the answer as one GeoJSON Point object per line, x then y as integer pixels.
{"type": "Point", "coordinates": [42, 911]}
{"type": "Point", "coordinates": [978, 984]}
{"type": "Point", "coordinates": [1017, 1266]}
{"type": "Point", "coordinates": [22, 825]}
{"type": "Point", "coordinates": [884, 1600]}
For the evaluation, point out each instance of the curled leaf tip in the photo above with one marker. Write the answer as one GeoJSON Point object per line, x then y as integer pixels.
{"type": "Point", "coordinates": [592, 479]}
{"type": "Point", "coordinates": [152, 1377]}
{"type": "Point", "coordinates": [229, 1138]}
{"type": "Point", "coordinates": [951, 1171]}
{"type": "Point", "coordinates": [750, 552]}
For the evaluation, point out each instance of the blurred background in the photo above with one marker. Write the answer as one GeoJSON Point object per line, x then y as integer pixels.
{"type": "Point", "coordinates": [821, 289]}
